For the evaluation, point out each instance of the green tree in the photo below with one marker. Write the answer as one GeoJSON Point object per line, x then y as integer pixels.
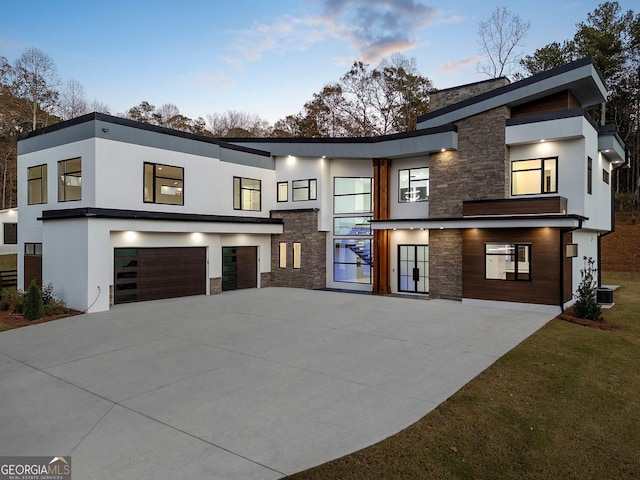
{"type": "Point", "coordinates": [33, 303]}
{"type": "Point", "coordinates": [548, 57]}
{"type": "Point", "coordinates": [586, 305]}
{"type": "Point", "coordinates": [365, 101]}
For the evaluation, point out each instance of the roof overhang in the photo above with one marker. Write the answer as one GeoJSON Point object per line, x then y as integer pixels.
{"type": "Point", "coordinates": [580, 77]}
{"type": "Point", "coordinates": [402, 145]}
{"type": "Point", "coordinates": [612, 147]}
{"type": "Point", "coordinates": [510, 221]}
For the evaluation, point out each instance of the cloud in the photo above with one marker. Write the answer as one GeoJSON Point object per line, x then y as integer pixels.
{"type": "Point", "coordinates": [376, 28]}
{"type": "Point", "coordinates": [284, 35]}
{"type": "Point", "coordinates": [455, 66]}
{"type": "Point", "coordinates": [373, 28]}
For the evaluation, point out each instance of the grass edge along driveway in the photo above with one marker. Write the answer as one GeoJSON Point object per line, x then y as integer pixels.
{"type": "Point", "coordinates": [565, 403]}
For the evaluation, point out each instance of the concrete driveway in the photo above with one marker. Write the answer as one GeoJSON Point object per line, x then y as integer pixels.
{"type": "Point", "coordinates": [251, 384]}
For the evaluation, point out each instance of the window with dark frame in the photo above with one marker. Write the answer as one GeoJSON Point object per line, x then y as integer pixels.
{"type": "Point", "coordinates": [70, 180]}
{"type": "Point", "coordinates": [507, 261]}
{"type": "Point", "coordinates": [10, 233]}
{"type": "Point", "coordinates": [246, 194]}
{"type": "Point", "coordinates": [413, 185]}
{"type": "Point", "coordinates": [352, 195]}
{"type": "Point", "coordinates": [33, 249]}
{"type": "Point", "coordinates": [535, 176]}
{"type": "Point", "coordinates": [302, 190]}
{"type": "Point", "coordinates": [605, 176]}
{"type": "Point", "coordinates": [283, 191]}
{"type": "Point", "coordinates": [37, 185]}
{"type": "Point", "coordinates": [589, 175]}
{"type": "Point", "coordinates": [163, 184]}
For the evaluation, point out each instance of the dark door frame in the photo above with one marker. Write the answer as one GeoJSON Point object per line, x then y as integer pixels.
{"type": "Point", "coordinates": [415, 269]}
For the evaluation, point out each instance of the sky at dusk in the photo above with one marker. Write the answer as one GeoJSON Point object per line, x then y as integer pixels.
{"type": "Point", "coordinates": [265, 57]}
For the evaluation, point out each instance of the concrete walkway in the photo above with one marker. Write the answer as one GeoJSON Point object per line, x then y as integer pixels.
{"type": "Point", "coordinates": [251, 384]}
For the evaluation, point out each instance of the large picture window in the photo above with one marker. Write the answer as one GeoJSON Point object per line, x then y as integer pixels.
{"type": "Point", "coordinates": [352, 260]}
{"type": "Point", "coordinates": [37, 185]}
{"type": "Point", "coordinates": [507, 261]}
{"type": "Point", "coordinates": [352, 195]}
{"type": "Point", "coordinates": [246, 194]}
{"type": "Point", "coordinates": [413, 185]}
{"type": "Point", "coordinates": [163, 184]}
{"type": "Point", "coordinates": [530, 177]}
{"type": "Point", "coordinates": [70, 180]}
{"type": "Point", "coordinates": [304, 190]}
{"type": "Point", "coordinates": [352, 226]}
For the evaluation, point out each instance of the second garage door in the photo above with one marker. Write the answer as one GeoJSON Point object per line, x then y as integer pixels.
{"type": "Point", "coordinates": [154, 273]}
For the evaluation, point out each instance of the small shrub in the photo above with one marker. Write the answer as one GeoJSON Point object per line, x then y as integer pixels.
{"type": "Point", "coordinates": [586, 305]}
{"type": "Point", "coordinates": [15, 297]}
{"type": "Point", "coordinates": [48, 294]}
{"type": "Point", "coordinates": [33, 304]}
{"type": "Point", "coordinates": [55, 307]}
{"type": "Point", "coordinates": [5, 306]}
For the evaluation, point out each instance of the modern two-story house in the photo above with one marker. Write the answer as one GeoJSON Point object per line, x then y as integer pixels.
{"type": "Point", "coordinates": [495, 198]}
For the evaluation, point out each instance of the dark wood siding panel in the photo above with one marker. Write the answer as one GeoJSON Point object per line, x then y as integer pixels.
{"type": "Point", "coordinates": [247, 267]}
{"type": "Point", "coordinates": [171, 272]}
{"type": "Point", "coordinates": [553, 103]}
{"type": "Point", "coordinates": [515, 206]}
{"type": "Point", "coordinates": [545, 266]}
{"type": "Point", "coordinates": [32, 270]}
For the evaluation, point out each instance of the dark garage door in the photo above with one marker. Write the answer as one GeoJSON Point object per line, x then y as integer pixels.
{"type": "Point", "coordinates": [239, 268]}
{"type": "Point", "coordinates": [153, 273]}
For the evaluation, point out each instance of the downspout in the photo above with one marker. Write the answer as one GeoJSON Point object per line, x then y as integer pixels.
{"type": "Point", "coordinates": [562, 256]}
{"type": "Point", "coordinates": [613, 213]}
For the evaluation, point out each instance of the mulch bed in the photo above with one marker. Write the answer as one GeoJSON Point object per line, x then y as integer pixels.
{"type": "Point", "coordinates": [15, 320]}
{"type": "Point", "coordinates": [568, 316]}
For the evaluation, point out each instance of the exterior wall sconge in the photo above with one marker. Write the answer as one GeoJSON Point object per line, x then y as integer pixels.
{"type": "Point", "coordinates": [572, 250]}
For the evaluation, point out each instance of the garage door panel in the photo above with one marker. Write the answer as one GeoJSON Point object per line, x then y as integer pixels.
{"type": "Point", "coordinates": [155, 273]}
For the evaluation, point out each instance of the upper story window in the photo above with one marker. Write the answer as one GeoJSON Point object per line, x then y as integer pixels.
{"type": "Point", "coordinates": [589, 175]}
{"type": "Point", "coordinates": [246, 194]}
{"type": "Point", "coordinates": [37, 185]}
{"type": "Point", "coordinates": [283, 191]}
{"type": "Point", "coordinates": [530, 177]}
{"type": "Point", "coordinates": [70, 180]}
{"type": "Point", "coordinates": [304, 190]}
{"type": "Point", "coordinates": [163, 184]}
{"type": "Point", "coordinates": [413, 185]}
{"type": "Point", "coordinates": [352, 195]}
{"type": "Point", "coordinates": [10, 233]}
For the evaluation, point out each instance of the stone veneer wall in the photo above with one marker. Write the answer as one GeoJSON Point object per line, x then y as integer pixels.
{"type": "Point", "coordinates": [215, 286]}
{"type": "Point", "coordinates": [445, 264]}
{"type": "Point", "coordinates": [478, 170]}
{"type": "Point", "coordinates": [450, 96]}
{"type": "Point", "coordinates": [299, 226]}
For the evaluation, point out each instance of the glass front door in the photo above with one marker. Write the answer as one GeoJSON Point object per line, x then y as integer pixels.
{"type": "Point", "coordinates": [413, 268]}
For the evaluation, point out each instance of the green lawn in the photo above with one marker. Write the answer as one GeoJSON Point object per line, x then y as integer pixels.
{"type": "Point", "coordinates": [565, 403]}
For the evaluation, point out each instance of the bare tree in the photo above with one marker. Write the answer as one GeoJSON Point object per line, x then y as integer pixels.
{"type": "Point", "coordinates": [237, 124]}
{"type": "Point", "coordinates": [500, 36]}
{"type": "Point", "coordinates": [100, 107]}
{"type": "Point", "coordinates": [36, 80]}
{"type": "Point", "coordinates": [72, 102]}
